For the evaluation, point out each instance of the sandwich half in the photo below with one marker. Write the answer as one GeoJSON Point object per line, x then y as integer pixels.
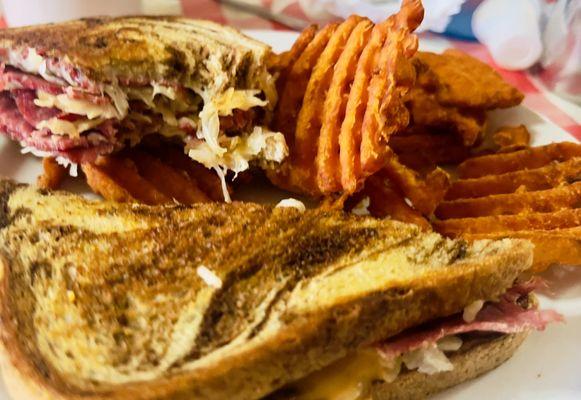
{"type": "Point", "coordinates": [84, 88]}
{"type": "Point", "coordinates": [242, 301]}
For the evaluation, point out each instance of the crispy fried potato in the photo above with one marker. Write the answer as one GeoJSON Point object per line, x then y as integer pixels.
{"type": "Point", "coordinates": [374, 95]}
{"type": "Point", "coordinates": [124, 173]}
{"type": "Point", "coordinates": [381, 83]}
{"type": "Point", "coordinates": [173, 183]}
{"type": "Point", "coordinates": [409, 18]}
{"type": "Point", "coordinates": [519, 192]}
{"type": "Point", "coordinates": [371, 113]}
{"type": "Point", "coordinates": [554, 247]}
{"type": "Point", "coordinates": [286, 60]}
{"type": "Point", "coordinates": [387, 201]}
{"type": "Point", "coordinates": [535, 157]}
{"type": "Point", "coordinates": [53, 174]}
{"type": "Point", "coordinates": [291, 97]}
{"type": "Point", "coordinates": [467, 82]}
{"type": "Point", "coordinates": [425, 194]}
{"type": "Point", "coordinates": [566, 218]}
{"type": "Point", "coordinates": [425, 151]}
{"type": "Point", "coordinates": [309, 121]}
{"type": "Point", "coordinates": [102, 183]}
{"type": "Point", "coordinates": [453, 92]}
{"type": "Point", "coordinates": [391, 81]}
{"type": "Point", "coordinates": [533, 194]}
{"type": "Point", "coordinates": [546, 177]}
{"type": "Point", "coordinates": [328, 164]}
{"type": "Point", "coordinates": [511, 138]}
{"type": "Point", "coordinates": [568, 196]}
{"type": "Point", "coordinates": [136, 175]}
{"type": "Point", "coordinates": [426, 111]}
{"type": "Point", "coordinates": [350, 134]}
{"type": "Point", "coordinates": [206, 179]}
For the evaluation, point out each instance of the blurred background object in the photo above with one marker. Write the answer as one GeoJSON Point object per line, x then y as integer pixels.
{"type": "Point", "coordinates": [161, 7]}
{"type": "Point", "coordinates": [510, 30]}
{"type": "Point", "coordinates": [561, 59]}
{"type": "Point", "coordinates": [286, 20]}
{"type": "Point", "coordinates": [29, 12]}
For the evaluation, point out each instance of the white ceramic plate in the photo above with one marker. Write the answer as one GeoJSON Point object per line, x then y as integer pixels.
{"type": "Point", "coordinates": [547, 366]}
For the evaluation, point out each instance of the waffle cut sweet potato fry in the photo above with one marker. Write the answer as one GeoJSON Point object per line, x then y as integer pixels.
{"type": "Point", "coordinates": [162, 176]}
{"type": "Point", "coordinates": [423, 150]}
{"type": "Point", "coordinates": [342, 98]}
{"type": "Point", "coordinates": [533, 193]}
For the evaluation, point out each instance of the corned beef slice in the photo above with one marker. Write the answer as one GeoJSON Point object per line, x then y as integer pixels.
{"type": "Point", "coordinates": [506, 316]}
{"type": "Point", "coordinates": [12, 78]}
{"type": "Point", "coordinates": [19, 116]}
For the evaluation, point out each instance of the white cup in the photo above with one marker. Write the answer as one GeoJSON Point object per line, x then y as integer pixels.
{"type": "Point", "coordinates": [30, 12]}
{"type": "Point", "coordinates": [510, 29]}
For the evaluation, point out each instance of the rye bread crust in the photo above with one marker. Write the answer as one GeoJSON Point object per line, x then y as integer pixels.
{"type": "Point", "coordinates": [468, 365]}
{"type": "Point", "coordinates": [316, 320]}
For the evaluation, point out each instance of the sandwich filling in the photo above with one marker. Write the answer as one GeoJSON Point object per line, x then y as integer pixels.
{"type": "Point", "coordinates": [52, 109]}
{"type": "Point", "coordinates": [426, 348]}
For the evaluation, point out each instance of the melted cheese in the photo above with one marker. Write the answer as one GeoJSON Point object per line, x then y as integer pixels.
{"type": "Point", "coordinates": [167, 109]}
{"type": "Point", "coordinates": [76, 106]}
{"type": "Point", "coordinates": [164, 90]}
{"type": "Point", "coordinates": [471, 310]}
{"type": "Point", "coordinates": [351, 377]}
{"type": "Point", "coordinates": [171, 131]}
{"type": "Point", "coordinates": [72, 129]}
{"type": "Point", "coordinates": [144, 94]}
{"type": "Point", "coordinates": [347, 379]}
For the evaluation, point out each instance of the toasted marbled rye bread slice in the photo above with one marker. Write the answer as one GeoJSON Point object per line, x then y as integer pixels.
{"type": "Point", "coordinates": [119, 301]}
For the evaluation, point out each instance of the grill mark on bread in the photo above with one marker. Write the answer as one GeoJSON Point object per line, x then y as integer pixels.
{"type": "Point", "coordinates": [40, 268]}
{"type": "Point", "coordinates": [177, 60]}
{"type": "Point", "coordinates": [281, 294]}
{"type": "Point", "coordinates": [17, 295]}
{"type": "Point", "coordinates": [6, 189]}
{"type": "Point", "coordinates": [231, 310]}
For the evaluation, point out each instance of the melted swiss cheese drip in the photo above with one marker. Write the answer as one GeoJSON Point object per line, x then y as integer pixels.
{"type": "Point", "coordinates": [346, 379]}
